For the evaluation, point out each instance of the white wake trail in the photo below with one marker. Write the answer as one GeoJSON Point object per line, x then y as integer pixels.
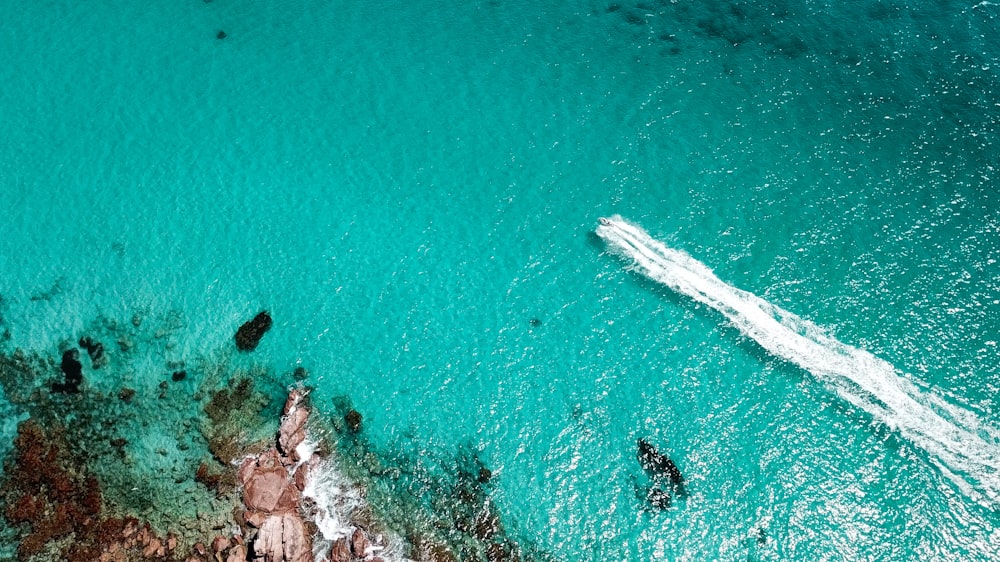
{"type": "Point", "coordinates": [966, 450]}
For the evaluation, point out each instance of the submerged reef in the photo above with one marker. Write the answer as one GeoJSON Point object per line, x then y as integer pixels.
{"type": "Point", "coordinates": [145, 452]}
{"type": "Point", "coordinates": [667, 480]}
{"type": "Point", "coordinates": [251, 332]}
{"type": "Point", "coordinates": [444, 509]}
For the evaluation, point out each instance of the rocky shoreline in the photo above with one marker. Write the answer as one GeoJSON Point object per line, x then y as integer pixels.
{"type": "Point", "coordinates": [197, 468]}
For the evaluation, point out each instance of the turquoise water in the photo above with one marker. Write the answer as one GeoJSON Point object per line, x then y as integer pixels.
{"type": "Point", "coordinates": [407, 187]}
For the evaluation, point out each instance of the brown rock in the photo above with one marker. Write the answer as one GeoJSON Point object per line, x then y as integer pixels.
{"type": "Point", "coordinates": [353, 419]}
{"type": "Point", "coordinates": [220, 544]}
{"type": "Point", "coordinates": [300, 476]}
{"type": "Point", "coordinates": [340, 551]}
{"type": "Point", "coordinates": [237, 554]}
{"type": "Point", "coordinates": [265, 488]}
{"type": "Point", "coordinates": [292, 431]}
{"type": "Point", "coordinates": [152, 548]}
{"type": "Point", "coordinates": [289, 500]}
{"type": "Point", "coordinates": [360, 543]}
{"type": "Point", "coordinates": [294, 398]}
{"type": "Point", "coordinates": [254, 518]}
{"type": "Point", "coordinates": [246, 470]}
{"type": "Point", "coordinates": [282, 538]}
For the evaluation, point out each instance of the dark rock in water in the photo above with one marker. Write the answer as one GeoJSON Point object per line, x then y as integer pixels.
{"type": "Point", "coordinates": [761, 535]}
{"type": "Point", "coordinates": [485, 475]}
{"type": "Point", "coordinates": [126, 394]}
{"type": "Point", "coordinates": [178, 376]}
{"type": "Point", "coordinates": [220, 35]}
{"type": "Point", "coordinates": [634, 18]}
{"type": "Point", "coordinates": [95, 350]}
{"type": "Point", "coordinates": [300, 374]}
{"type": "Point", "coordinates": [353, 419]}
{"type": "Point", "coordinates": [660, 466]}
{"type": "Point", "coordinates": [535, 322]}
{"type": "Point", "coordinates": [658, 498]}
{"type": "Point", "coordinates": [250, 333]}
{"type": "Point", "coordinates": [72, 370]}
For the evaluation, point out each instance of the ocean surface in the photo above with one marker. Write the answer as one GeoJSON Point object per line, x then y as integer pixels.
{"type": "Point", "coordinates": [412, 189]}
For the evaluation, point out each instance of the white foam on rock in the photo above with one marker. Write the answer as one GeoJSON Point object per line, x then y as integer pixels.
{"type": "Point", "coordinates": [335, 499]}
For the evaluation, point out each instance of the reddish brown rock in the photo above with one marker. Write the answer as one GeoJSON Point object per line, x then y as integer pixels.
{"type": "Point", "coordinates": [292, 432]}
{"type": "Point", "coordinates": [246, 470]}
{"type": "Point", "coordinates": [153, 548]}
{"type": "Point", "coordinates": [220, 544]}
{"type": "Point", "coordinates": [299, 478]}
{"type": "Point", "coordinates": [282, 538]}
{"type": "Point", "coordinates": [254, 518]}
{"type": "Point", "coordinates": [272, 492]}
{"type": "Point", "coordinates": [237, 554]}
{"type": "Point", "coordinates": [340, 551]}
{"type": "Point", "coordinates": [360, 543]}
{"type": "Point", "coordinates": [266, 487]}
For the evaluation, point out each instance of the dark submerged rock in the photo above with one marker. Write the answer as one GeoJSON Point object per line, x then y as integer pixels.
{"type": "Point", "coordinates": [485, 475]}
{"type": "Point", "coordinates": [220, 35]}
{"type": "Point", "coordinates": [250, 333]}
{"type": "Point", "coordinates": [73, 372]}
{"type": "Point", "coordinates": [761, 536]}
{"type": "Point", "coordinates": [659, 466]}
{"type": "Point", "coordinates": [95, 350]}
{"type": "Point", "coordinates": [658, 498]}
{"type": "Point", "coordinates": [178, 376]}
{"type": "Point", "coordinates": [667, 478]}
{"type": "Point", "coordinates": [353, 419]}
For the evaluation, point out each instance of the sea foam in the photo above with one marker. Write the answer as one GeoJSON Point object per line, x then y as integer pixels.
{"type": "Point", "coordinates": [966, 450]}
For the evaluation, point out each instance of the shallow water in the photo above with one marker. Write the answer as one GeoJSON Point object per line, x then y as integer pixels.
{"type": "Point", "coordinates": [412, 191]}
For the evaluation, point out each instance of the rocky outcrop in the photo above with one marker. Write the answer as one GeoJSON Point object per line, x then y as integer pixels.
{"type": "Point", "coordinates": [250, 333]}
{"type": "Point", "coordinates": [272, 491]}
{"type": "Point", "coordinates": [72, 371]}
{"type": "Point", "coordinates": [273, 483]}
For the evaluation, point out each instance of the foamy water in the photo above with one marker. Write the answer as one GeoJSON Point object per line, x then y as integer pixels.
{"type": "Point", "coordinates": [957, 442]}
